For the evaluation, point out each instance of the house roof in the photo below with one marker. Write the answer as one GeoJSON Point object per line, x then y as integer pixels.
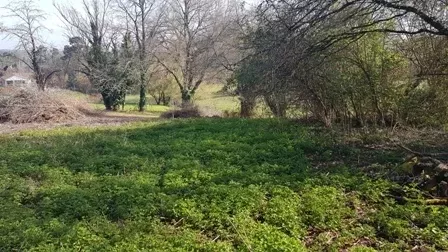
{"type": "Point", "coordinates": [15, 78]}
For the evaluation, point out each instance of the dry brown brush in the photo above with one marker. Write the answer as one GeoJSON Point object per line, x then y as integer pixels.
{"type": "Point", "coordinates": [30, 106]}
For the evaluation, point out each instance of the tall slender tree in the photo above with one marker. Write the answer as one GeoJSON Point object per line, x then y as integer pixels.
{"type": "Point", "coordinates": [145, 19]}
{"type": "Point", "coordinates": [93, 26]}
{"type": "Point", "coordinates": [191, 32]}
{"type": "Point", "coordinates": [27, 30]}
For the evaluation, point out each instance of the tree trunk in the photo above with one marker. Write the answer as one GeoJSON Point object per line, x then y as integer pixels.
{"type": "Point", "coordinates": [358, 118]}
{"type": "Point", "coordinates": [123, 102]}
{"type": "Point", "coordinates": [161, 98]}
{"type": "Point", "coordinates": [327, 120]}
{"type": "Point", "coordinates": [41, 87]}
{"type": "Point", "coordinates": [107, 101]}
{"type": "Point", "coordinates": [187, 96]}
{"type": "Point", "coordinates": [142, 102]}
{"type": "Point", "coordinates": [325, 115]}
{"type": "Point", "coordinates": [277, 105]}
{"type": "Point", "coordinates": [40, 83]}
{"type": "Point", "coordinates": [165, 99]}
{"type": "Point", "coordinates": [247, 107]}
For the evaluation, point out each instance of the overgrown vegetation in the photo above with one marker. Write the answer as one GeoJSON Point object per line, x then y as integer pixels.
{"type": "Point", "coordinates": [367, 70]}
{"type": "Point", "coordinates": [355, 62]}
{"type": "Point", "coordinates": [20, 106]}
{"type": "Point", "coordinates": [338, 74]}
{"type": "Point", "coordinates": [205, 184]}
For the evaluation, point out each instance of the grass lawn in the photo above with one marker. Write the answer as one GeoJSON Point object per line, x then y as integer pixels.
{"type": "Point", "coordinates": [131, 106]}
{"type": "Point", "coordinates": [203, 185]}
{"type": "Point", "coordinates": [208, 95]}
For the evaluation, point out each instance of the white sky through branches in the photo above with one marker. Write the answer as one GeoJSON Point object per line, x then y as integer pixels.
{"type": "Point", "coordinates": [55, 36]}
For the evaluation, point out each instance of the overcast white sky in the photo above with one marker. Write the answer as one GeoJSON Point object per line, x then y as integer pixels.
{"type": "Point", "coordinates": [55, 37]}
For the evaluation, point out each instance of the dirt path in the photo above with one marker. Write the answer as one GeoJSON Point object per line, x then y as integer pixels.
{"type": "Point", "coordinates": [92, 120]}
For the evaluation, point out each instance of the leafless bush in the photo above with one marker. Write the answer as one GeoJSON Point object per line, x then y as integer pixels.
{"type": "Point", "coordinates": [210, 112]}
{"type": "Point", "coordinates": [231, 114]}
{"type": "Point", "coordinates": [192, 112]}
{"type": "Point", "coordinates": [187, 112]}
{"type": "Point", "coordinates": [29, 106]}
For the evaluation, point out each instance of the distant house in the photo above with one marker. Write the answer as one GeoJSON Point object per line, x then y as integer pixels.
{"type": "Point", "coordinates": [13, 81]}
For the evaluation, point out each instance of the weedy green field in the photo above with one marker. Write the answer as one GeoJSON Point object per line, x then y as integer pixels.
{"type": "Point", "coordinates": [131, 107]}
{"type": "Point", "coordinates": [209, 97]}
{"type": "Point", "coordinates": [204, 185]}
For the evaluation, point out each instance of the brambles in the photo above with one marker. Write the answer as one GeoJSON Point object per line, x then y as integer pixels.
{"type": "Point", "coordinates": [28, 106]}
{"type": "Point", "coordinates": [191, 112]}
{"type": "Point", "coordinates": [188, 112]}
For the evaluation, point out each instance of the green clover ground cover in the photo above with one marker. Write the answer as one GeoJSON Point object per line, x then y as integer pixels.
{"type": "Point", "coordinates": [198, 185]}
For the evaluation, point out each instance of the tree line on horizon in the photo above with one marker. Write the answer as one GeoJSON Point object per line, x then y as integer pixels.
{"type": "Point", "coordinates": [357, 62]}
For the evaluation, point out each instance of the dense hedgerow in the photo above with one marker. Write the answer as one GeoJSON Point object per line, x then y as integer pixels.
{"type": "Point", "coordinates": [199, 185]}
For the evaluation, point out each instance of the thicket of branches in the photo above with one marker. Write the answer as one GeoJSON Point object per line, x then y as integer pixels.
{"type": "Point", "coordinates": [359, 62]}
{"type": "Point", "coordinates": [27, 31]}
{"type": "Point", "coordinates": [124, 46]}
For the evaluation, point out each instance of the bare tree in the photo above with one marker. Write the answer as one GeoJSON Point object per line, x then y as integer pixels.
{"type": "Point", "coordinates": [93, 26]}
{"type": "Point", "coordinates": [419, 16]}
{"type": "Point", "coordinates": [90, 23]}
{"type": "Point", "coordinates": [145, 18]}
{"type": "Point", "coordinates": [27, 31]}
{"type": "Point", "coordinates": [162, 86]}
{"type": "Point", "coordinates": [190, 36]}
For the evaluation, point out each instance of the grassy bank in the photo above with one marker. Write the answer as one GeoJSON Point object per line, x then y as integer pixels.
{"type": "Point", "coordinates": [206, 185]}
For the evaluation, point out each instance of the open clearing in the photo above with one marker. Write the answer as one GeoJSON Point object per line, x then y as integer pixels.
{"type": "Point", "coordinates": [206, 185]}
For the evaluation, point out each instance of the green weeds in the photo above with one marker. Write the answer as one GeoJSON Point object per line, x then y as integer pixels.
{"type": "Point", "coordinates": [200, 185]}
